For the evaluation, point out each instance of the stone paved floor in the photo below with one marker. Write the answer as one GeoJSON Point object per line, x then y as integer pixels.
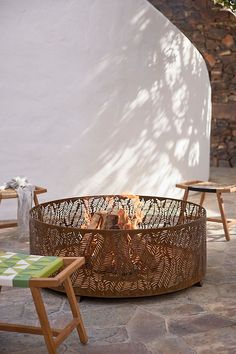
{"type": "Point", "coordinates": [196, 320]}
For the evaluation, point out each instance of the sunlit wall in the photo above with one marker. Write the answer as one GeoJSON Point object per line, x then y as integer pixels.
{"type": "Point", "coordinates": [100, 96]}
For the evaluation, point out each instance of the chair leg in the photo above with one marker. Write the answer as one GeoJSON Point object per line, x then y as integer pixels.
{"type": "Point", "coordinates": [222, 213]}
{"type": "Point", "coordinates": [75, 310]}
{"type": "Point", "coordinates": [43, 319]}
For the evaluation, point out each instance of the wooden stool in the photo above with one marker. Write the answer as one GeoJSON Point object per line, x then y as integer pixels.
{"type": "Point", "coordinates": [26, 271]}
{"type": "Point", "coordinates": [11, 194]}
{"type": "Point", "coordinates": [211, 187]}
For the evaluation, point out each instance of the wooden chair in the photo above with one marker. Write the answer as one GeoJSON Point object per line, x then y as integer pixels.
{"type": "Point", "coordinates": [21, 270]}
{"type": "Point", "coordinates": [12, 194]}
{"type": "Point", "coordinates": [211, 187]}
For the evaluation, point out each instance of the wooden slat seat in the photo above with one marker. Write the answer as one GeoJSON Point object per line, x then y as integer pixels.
{"type": "Point", "coordinates": [11, 193]}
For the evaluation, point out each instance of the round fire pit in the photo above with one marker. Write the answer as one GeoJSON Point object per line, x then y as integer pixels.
{"type": "Point", "coordinates": [166, 252]}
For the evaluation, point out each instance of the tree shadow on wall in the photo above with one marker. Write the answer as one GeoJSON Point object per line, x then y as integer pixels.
{"type": "Point", "coordinates": [151, 130]}
{"type": "Point", "coordinates": [145, 122]}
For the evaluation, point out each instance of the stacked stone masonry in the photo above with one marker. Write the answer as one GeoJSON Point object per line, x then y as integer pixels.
{"type": "Point", "coordinates": [213, 31]}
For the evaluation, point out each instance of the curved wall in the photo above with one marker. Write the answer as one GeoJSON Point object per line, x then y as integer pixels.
{"type": "Point", "coordinates": [100, 96]}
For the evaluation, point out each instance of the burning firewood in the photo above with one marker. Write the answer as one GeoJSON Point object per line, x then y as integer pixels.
{"type": "Point", "coordinates": [118, 219]}
{"type": "Point", "coordinates": [122, 218]}
{"type": "Point", "coordinates": [110, 221]}
{"type": "Point", "coordinates": [103, 221]}
{"type": "Point", "coordinates": [95, 222]}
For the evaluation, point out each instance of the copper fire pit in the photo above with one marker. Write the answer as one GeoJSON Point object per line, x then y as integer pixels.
{"type": "Point", "coordinates": [167, 252]}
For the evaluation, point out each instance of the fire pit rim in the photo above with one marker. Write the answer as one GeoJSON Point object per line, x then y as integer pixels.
{"type": "Point", "coordinates": [117, 231]}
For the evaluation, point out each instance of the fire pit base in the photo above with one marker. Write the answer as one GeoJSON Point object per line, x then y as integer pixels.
{"type": "Point", "coordinates": [165, 254]}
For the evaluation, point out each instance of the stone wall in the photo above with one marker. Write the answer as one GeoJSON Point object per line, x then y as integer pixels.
{"type": "Point", "coordinates": [213, 32]}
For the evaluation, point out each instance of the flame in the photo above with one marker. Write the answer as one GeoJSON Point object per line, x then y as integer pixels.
{"type": "Point", "coordinates": [125, 222]}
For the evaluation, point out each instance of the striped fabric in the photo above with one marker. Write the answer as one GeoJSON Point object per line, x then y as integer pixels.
{"type": "Point", "coordinates": [16, 269]}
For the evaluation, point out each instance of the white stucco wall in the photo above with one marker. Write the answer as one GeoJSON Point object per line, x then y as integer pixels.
{"type": "Point", "coordinates": [100, 96]}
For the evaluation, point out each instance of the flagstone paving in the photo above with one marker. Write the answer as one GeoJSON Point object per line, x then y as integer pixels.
{"type": "Point", "coordinates": [197, 320]}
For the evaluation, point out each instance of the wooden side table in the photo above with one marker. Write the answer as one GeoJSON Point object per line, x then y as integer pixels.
{"type": "Point", "coordinates": [211, 187]}
{"type": "Point", "coordinates": [11, 194]}
{"type": "Point", "coordinates": [38, 272]}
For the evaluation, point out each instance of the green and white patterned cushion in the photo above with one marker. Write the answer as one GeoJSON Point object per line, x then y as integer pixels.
{"type": "Point", "coordinates": [16, 269]}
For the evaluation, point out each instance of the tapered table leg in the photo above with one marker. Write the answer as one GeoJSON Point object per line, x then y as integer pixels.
{"type": "Point", "coordinates": [183, 206]}
{"type": "Point", "coordinates": [222, 213]}
{"type": "Point", "coordinates": [75, 310]}
{"type": "Point", "coordinates": [43, 319]}
{"type": "Point", "coordinates": [203, 195]}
